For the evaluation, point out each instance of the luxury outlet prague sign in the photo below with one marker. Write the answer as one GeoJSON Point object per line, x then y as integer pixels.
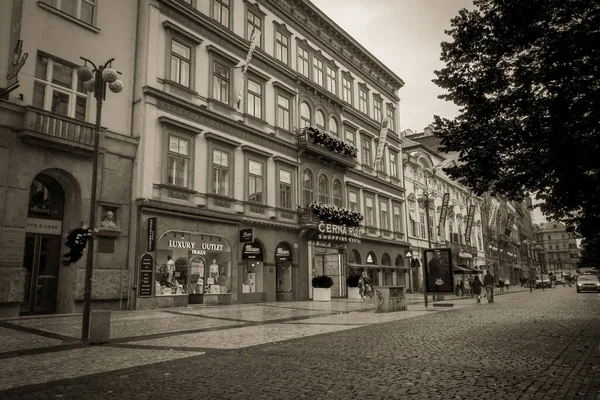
{"type": "Point", "coordinates": [177, 244]}
{"type": "Point", "coordinates": [338, 233]}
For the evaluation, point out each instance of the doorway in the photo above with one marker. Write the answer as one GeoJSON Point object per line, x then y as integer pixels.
{"type": "Point", "coordinates": [328, 261]}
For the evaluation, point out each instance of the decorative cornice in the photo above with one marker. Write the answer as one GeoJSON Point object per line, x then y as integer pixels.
{"type": "Point", "coordinates": [279, 159]}
{"type": "Point", "coordinates": [284, 88]}
{"type": "Point", "coordinates": [221, 54]}
{"type": "Point", "coordinates": [221, 139]}
{"type": "Point", "coordinates": [170, 122]}
{"type": "Point", "coordinates": [253, 150]}
{"type": "Point", "coordinates": [168, 25]}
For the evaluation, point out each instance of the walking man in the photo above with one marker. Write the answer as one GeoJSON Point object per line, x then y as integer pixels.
{"type": "Point", "coordinates": [488, 282]}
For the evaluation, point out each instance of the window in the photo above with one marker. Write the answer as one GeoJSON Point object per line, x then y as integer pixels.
{"type": "Point", "coordinates": [397, 219]}
{"type": "Point", "coordinates": [391, 116]}
{"type": "Point", "coordinates": [422, 225]}
{"type": "Point", "coordinates": [333, 127]}
{"type": "Point", "coordinates": [320, 120]}
{"type": "Point", "coordinates": [353, 200]}
{"type": "Point", "coordinates": [337, 193]}
{"type": "Point", "coordinates": [255, 99]}
{"type": "Point", "coordinates": [178, 161]}
{"type": "Point", "coordinates": [331, 80]}
{"type": "Point", "coordinates": [350, 137]}
{"type": "Point", "coordinates": [347, 90]}
{"type": "Point", "coordinates": [369, 211]}
{"type": "Point", "coordinates": [254, 24]}
{"type": "Point", "coordinates": [394, 164]}
{"type": "Point", "coordinates": [282, 47]}
{"type": "Point", "coordinates": [283, 112]}
{"type": "Point", "coordinates": [57, 88]}
{"type": "Point", "coordinates": [221, 83]}
{"type": "Point", "coordinates": [384, 215]}
{"type": "Point", "coordinates": [84, 10]}
{"type": "Point", "coordinates": [377, 107]}
{"type": "Point", "coordinates": [303, 62]}
{"type": "Point", "coordinates": [221, 11]}
{"type": "Point", "coordinates": [221, 172]}
{"type": "Point", "coordinates": [255, 181]}
{"type": "Point", "coordinates": [285, 188]}
{"type": "Point", "coordinates": [549, 237]}
{"type": "Point", "coordinates": [323, 190]}
{"type": "Point", "coordinates": [305, 120]}
{"type": "Point", "coordinates": [181, 59]}
{"type": "Point", "coordinates": [413, 226]}
{"type": "Point", "coordinates": [366, 151]}
{"type": "Point", "coordinates": [318, 71]}
{"type": "Point", "coordinates": [363, 101]}
{"type": "Point", "coordinates": [431, 230]}
{"type": "Point", "coordinates": [307, 187]}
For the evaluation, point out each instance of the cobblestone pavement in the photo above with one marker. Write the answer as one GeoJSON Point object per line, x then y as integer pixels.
{"type": "Point", "coordinates": [540, 345]}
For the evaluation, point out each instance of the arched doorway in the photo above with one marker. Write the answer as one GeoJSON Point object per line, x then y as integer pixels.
{"type": "Point", "coordinates": [388, 273]}
{"type": "Point", "coordinates": [284, 278]}
{"type": "Point", "coordinates": [372, 273]}
{"type": "Point", "coordinates": [401, 277]}
{"type": "Point", "coordinates": [42, 256]}
{"type": "Point", "coordinates": [253, 288]}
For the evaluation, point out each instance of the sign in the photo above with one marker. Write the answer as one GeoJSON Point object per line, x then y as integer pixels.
{"type": "Point", "coordinates": [146, 269]}
{"type": "Point", "coordinates": [509, 224]}
{"type": "Point", "coordinates": [408, 254]}
{"type": "Point", "coordinates": [444, 211]}
{"type": "Point", "coordinates": [246, 235]}
{"type": "Point", "coordinates": [151, 234]}
{"type": "Point", "coordinates": [44, 226]}
{"type": "Point", "coordinates": [283, 253]}
{"type": "Point", "coordinates": [469, 227]}
{"type": "Point", "coordinates": [194, 248]}
{"type": "Point", "coordinates": [338, 233]}
{"type": "Point", "coordinates": [438, 270]}
{"type": "Point", "coordinates": [252, 251]}
{"type": "Point", "coordinates": [370, 258]}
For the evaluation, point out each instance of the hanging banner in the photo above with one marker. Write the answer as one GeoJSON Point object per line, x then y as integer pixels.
{"type": "Point", "coordinates": [254, 36]}
{"type": "Point", "coordinates": [493, 209]}
{"type": "Point", "coordinates": [445, 203]}
{"type": "Point", "coordinates": [509, 224]}
{"type": "Point", "coordinates": [469, 227]}
{"type": "Point", "coordinates": [385, 123]}
{"type": "Point", "coordinates": [151, 244]}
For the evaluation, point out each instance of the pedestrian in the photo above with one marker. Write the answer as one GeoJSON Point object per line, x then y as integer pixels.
{"type": "Point", "coordinates": [477, 285]}
{"type": "Point", "coordinates": [506, 283]}
{"type": "Point", "coordinates": [501, 285]}
{"type": "Point", "coordinates": [488, 282]}
{"type": "Point", "coordinates": [458, 289]}
{"type": "Point", "coordinates": [363, 286]}
{"type": "Point", "coordinates": [467, 287]}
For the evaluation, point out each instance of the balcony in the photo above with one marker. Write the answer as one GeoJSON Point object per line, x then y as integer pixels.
{"type": "Point", "coordinates": [58, 132]}
{"type": "Point", "coordinates": [307, 147]}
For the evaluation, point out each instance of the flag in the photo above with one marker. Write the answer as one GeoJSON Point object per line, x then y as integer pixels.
{"type": "Point", "coordinates": [444, 211]}
{"type": "Point", "coordinates": [253, 42]}
{"type": "Point", "coordinates": [469, 227]}
{"type": "Point", "coordinates": [385, 123]}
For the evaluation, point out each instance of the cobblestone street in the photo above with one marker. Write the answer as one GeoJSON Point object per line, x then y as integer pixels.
{"type": "Point", "coordinates": [540, 345]}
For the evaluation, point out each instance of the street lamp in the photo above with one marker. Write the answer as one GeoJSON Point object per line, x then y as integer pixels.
{"type": "Point", "coordinates": [425, 199]}
{"type": "Point", "coordinates": [95, 80]}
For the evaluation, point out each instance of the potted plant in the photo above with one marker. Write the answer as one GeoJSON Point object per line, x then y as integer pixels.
{"type": "Point", "coordinates": [322, 288]}
{"type": "Point", "coordinates": [353, 291]}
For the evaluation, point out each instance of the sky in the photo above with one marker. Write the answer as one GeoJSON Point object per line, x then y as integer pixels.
{"type": "Point", "coordinates": [405, 35]}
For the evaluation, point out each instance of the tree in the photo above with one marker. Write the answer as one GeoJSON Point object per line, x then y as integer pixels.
{"type": "Point", "coordinates": [526, 76]}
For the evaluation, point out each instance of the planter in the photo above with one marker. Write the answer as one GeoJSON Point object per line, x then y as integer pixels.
{"type": "Point", "coordinates": [320, 294]}
{"type": "Point", "coordinates": [353, 293]}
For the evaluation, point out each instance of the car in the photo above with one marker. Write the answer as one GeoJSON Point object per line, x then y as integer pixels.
{"type": "Point", "coordinates": [588, 283]}
{"type": "Point", "coordinates": [542, 282]}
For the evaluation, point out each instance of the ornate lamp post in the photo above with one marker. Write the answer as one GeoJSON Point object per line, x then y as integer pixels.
{"type": "Point", "coordinates": [95, 80]}
{"type": "Point", "coordinates": [426, 199]}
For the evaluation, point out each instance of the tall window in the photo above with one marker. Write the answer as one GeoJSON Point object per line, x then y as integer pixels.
{"type": "Point", "coordinates": [414, 224]}
{"type": "Point", "coordinates": [221, 10]}
{"type": "Point", "coordinates": [422, 222]}
{"type": "Point", "coordinates": [333, 127]}
{"type": "Point", "coordinates": [304, 116]}
{"type": "Point", "coordinates": [254, 99]}
{"type": "Point", "coordinates": [323, 189]}
{"type": "Point", "coordinates": [285, 188]}
{"type": "Point", "coordinates": [431, 226]}
{"type": "Point", "coordinates": [318, 71]}
{"type": "Point", "coordinates": [331, 80]}
{"type": "Point", "coordinates": [384, 215]}
{"type": "Point", "coordinates": [394, 164]}
{"type": "Point", "coordinates": [350, 137]}
{"type": "Point", "coordinates": [337, 193]}
{"type": "Point", "coordinates": [347, 90]}
{"type": "Point", "coordinates": [366, 151]}
{"type": "Point", "coordinates": [254, 23]}
{"type": "Point", "coordinates": [391, 116]}
{"type": "Point", "coordinates": [221, 172]}
{"type": "Point", "coordinates": [377, 107]}
{"type": "Point", "coordinates": [57, 88]}
{"type": "Point", "coordinates": [221, 83]}
{"type": "Point", "coordinates": [397, 219]}
{"type": "Point", "coordinates": [180, 63]}
{"type": "Point", "coordinates": [369, 211]}
{"type": "Point", "coordinates": [307, 188]}
{"type": "Point", "coordinates": [282, 47]}
{"type": "Point", "coordinates": [255, 181]}
{"type": "Point", "coordinates": [303, 62]}
{"type": "Point", "coordinates": [363, 101]}
{"type": "Point", "coordinates": [353, 201]}
{"type": "Point", "coordinates": [84, 10]}
{"type": "Point", "coordinates": [178, 161]}
{"type": "Point", "coordinates": [320, 120]}
{"type": "Point", "coordinates": [283, 112]}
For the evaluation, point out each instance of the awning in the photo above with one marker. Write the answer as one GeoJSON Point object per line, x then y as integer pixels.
{"type": "Point", "coordinates": [464, 270]}
{"type": "Point", "coordinates": [376, 266]}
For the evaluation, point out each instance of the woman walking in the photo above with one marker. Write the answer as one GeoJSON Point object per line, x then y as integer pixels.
{"type": "Point", "coordinates": [476, 286]}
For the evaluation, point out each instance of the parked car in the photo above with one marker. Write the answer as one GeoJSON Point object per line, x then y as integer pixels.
{"type": "Point", "coordinates": [542, 281]}
{"type": "Point", "coordinates": [588, 283]}
{"type": "Point", "coordinates": [559, 279]}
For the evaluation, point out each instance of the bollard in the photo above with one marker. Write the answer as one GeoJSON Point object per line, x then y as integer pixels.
{"type": "Point", "coordinates": [100, 327]}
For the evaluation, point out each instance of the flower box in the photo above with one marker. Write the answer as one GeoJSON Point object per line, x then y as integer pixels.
{"type": "Point", "coordinates": [321, 294]}
{"type": "Point", "coordinates": [336, 215]}
{"type": "Point", "coordinates": [326, 146]}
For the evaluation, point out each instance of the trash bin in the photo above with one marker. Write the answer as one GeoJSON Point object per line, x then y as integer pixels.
{"type": "Point", "coordinates": [389, 298]}
{"type": "Point", "coordinates": [100, 327]}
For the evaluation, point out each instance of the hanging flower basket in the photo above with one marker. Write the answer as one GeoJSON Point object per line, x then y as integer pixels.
{"type": "Point", "coordinates": [335, 214]}
{"type": "Point", "coordinates": [331, 142]}
{"type": "Point", "coordinates": [76, 242]}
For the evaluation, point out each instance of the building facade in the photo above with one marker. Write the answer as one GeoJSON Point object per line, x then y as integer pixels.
{"type": "Point", "coordinates": [46, 148]}
{"type": "Point", "coordinates": [561, 253]}
{"type": "Point", "coordinates": [228, 179]}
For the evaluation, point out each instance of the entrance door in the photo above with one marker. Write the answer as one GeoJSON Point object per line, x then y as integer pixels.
{"type": "Point", "coordinates": [326, 261]}
{"type": "Point", "coordinates": [42, 263]}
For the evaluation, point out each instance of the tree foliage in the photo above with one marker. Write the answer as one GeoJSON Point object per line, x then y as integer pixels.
{"type": "Point", "coordinates": [526, 76]}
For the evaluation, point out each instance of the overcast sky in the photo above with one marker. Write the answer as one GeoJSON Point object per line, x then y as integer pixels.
{"type": "Point", "coordinates": [405, 35]}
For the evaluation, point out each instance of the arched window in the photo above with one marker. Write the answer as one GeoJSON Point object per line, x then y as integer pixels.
{"type": "Point", "coordinates": [323, 189]}
{"type": "Point", "coordinates": [354, 257]}
{"type": "Point", "coordinates": [305, 120]}
{"type": "Point", "coordinates": [320, 120]}
{"type": "Point", "coordinates": [307, 187]}
{"type": "Point", "coordinates": [337, 193]}
{"type": "Point", "coordinates": [386, 259]}
{"type": "Point", "coordinates": [333, 127]}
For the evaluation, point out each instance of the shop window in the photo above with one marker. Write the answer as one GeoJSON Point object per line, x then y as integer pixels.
{"type": "Point", "coordinates": [252, 258]}
{"type": "Point", "coordinates": [283, 265]}
{"type": "Point", "coordinates": [307, 188]}
{"type": "Point", "coordinates": [323, 190]}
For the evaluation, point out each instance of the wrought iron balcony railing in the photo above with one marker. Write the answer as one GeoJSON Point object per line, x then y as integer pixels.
{"type": "Point", "coordinates": [307, 145]}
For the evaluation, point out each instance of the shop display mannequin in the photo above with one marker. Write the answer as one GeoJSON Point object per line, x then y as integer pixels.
{"type": "Point", "coordinates": [213, 270]}
{"type": "Point", "coordinates": [170, 269]}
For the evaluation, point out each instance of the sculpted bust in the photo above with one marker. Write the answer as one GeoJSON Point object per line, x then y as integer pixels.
{"type": "Point", "coordinates": [108, 221]}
